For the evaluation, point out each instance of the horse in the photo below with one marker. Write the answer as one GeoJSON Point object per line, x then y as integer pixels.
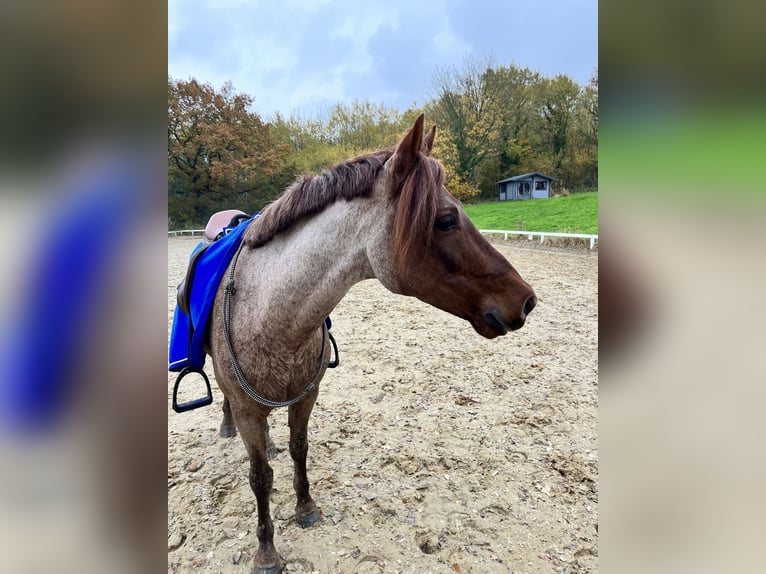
{"type": "Point", "coordinates": [385, 215]}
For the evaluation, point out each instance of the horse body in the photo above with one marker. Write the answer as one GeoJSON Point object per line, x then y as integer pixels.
{"type": "Point", "coordinates": [385, 215]}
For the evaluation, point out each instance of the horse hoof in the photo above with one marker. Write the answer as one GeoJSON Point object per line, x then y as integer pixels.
{"type": "Point", "coordinates": [228, 431]}
{"type": "Point", "coordinates": [271, 453]}
{"type": "Point", "coordinates": [276, 569]}
{"type": "Point", "coordinates": [310, 519]}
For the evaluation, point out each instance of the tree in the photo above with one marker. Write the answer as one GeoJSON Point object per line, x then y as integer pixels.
{"type": "Point", "coordinates": [466, 109]}
{"type": "Point", "coordinates": [590, 106]}
{"type": "Point", "coordinates": [309, 144]}
{"type": "Point", "coordinates": [220, 155]}
{"type": "Point", "coordinates": [364, 126]}
{"type": "Point", "coordinates": [503, 121]}
{"type": "Point", "coordinates": [445, 151]}
{"type": "Point", "coordinates": [586, 134]}
{"type": "Point", "coordinates": [569, 131]}
{"type": "Point", "coordinates": [515, 89]}
{"type": "Point", "coordinates": [557, 101]}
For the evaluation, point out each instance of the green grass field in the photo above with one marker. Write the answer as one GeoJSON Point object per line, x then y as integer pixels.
{"type": "Point", "coordinates": [706, 154]}
{"type": "Point", "coordinates": [576, 213]}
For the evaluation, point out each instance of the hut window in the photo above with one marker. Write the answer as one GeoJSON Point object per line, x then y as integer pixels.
{"type": "Point", "coordinates": [541, 184]}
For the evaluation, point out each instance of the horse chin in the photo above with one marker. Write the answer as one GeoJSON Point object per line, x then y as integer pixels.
{"type": "Point", "coordinates": [494, 323]}
{"type": "Point", "coordinates": [487, 330]}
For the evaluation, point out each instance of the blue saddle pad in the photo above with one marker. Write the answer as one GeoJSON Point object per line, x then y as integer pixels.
{"type": "Point", "coordinates": [187, 338]}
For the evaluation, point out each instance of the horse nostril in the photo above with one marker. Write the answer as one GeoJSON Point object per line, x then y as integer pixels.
{"type": "Point", "coordinates": [529, 305]}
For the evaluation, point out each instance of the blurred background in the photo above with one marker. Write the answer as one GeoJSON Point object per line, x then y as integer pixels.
{"type": "Point", "coordinates": [682, 313]}
{"type": "Point", "coordinates": [682, 270]}
{"type": "Point", "coordinates": [84, 339]}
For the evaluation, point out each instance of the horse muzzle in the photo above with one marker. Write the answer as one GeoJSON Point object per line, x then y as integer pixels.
{"type": "Point", "coordinates": [496, 323]}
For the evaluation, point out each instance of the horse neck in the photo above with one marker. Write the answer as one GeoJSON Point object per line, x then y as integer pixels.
{"type": "Point", "coordinates": [298, 278]}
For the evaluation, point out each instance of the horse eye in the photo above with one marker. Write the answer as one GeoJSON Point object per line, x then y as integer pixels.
{"type": "Point", "coordinates": [446, 222]}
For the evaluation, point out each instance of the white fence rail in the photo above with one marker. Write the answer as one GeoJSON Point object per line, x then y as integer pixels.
{"type": "Point", "coordinates": [542, 234]}
{"type": "Point", "coordinates": [191, 232]}
{"type": "Point", "coordinates": [530, 234]}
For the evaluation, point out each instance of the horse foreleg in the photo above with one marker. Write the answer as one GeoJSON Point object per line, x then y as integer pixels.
{"type": "Point", "coordinates": [267, 559]}
{"type": "Point", "coordinates": [228, 429]}
{"type": "Point", "coordinates": [271, 448]}
{"type": "Point", "coordinates": [306, 512]}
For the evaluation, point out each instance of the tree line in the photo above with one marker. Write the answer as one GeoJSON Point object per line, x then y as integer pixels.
{"type": "Point", "coordinates": [494, 122]}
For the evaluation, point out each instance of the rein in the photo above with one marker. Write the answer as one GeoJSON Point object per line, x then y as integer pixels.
{"type": "Point", "coordinates": [229, 290]}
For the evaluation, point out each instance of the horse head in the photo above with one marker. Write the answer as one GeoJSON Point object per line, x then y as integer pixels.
{"type": "Point", "coordinates": [437, 254]}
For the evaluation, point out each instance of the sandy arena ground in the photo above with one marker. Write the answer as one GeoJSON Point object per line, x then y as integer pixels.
{"type": "Point", "coordinates": [431, 448]}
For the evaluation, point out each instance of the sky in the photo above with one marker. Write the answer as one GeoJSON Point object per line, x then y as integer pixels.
{"type": "Point", "coordinates": [302, 56]}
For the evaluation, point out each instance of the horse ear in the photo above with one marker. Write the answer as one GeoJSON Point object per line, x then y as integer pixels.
{"type": "Point", "coordinates": [428, 142]}
{"type": "Point", "coordinates": [407, 154]}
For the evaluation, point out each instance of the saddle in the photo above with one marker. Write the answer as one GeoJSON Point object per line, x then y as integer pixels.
{"type": "Point", "coordinates": [219, 222]}
{"type": "Point", "coordinates": [216, 228]}
{"type": "Point", "coordinates": [186, 353]}
{"type": "Point", "coordinates": [195, 296]}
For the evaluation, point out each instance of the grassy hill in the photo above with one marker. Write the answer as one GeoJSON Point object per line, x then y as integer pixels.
{"type": "Point", "coordinates": [576, 213]}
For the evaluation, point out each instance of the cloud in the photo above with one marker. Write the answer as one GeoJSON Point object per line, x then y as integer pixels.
{"type": "Point", "coordinates": [549, 36]}
{"type": "Point", "coordinates": [294, 55]}
{"type": "Point", "coordinates": [406, 55]}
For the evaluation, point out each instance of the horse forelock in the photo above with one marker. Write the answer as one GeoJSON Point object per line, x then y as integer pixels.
{"type": "Point", "coordinates": [308, 194]}
{"type": "Point", "coordinates": [415, 211]}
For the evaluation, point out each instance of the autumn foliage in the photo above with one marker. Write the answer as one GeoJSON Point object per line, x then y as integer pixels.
{"type": "Point", "coordinates": [493, 122]}
{"type": "Point", "coordinates": [220, 154]}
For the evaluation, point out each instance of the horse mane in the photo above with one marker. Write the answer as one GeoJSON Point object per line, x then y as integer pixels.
{"type": "Point", "coordinates": [308, 194]}
{"type": "Point", "coordinates": [415, 211]}
{"type": "Point", "coordinates": [414, 201]}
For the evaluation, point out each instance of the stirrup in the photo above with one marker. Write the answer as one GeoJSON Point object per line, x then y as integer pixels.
{"type": "Point", "coordinates": [195, 404]}
{"type": "Point", "coordinates": [336, 361]}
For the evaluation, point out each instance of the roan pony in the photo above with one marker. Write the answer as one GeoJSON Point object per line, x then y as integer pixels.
{"type": "Point", "coordinates": [383, 215]}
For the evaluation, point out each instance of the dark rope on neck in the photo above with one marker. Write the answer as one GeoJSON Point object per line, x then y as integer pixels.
{"type": "Point", "coordinates": [229, 290]}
